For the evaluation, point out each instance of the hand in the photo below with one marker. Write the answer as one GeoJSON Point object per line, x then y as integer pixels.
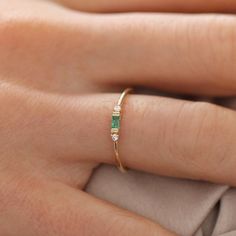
{"type": "Point", "coordinates": [53, 133]}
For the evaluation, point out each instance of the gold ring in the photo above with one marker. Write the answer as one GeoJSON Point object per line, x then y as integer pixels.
{"type": "Point", "coordinates": [115, 128]}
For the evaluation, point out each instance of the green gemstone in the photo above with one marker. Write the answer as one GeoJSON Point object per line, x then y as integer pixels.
{"type": "Point", "coordinates": [115, 122]}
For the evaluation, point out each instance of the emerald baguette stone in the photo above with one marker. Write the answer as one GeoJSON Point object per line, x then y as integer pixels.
{"type": "Point", "coordinates": [115, 121]}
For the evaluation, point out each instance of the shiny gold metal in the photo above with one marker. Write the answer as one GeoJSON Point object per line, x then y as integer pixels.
{"type": "Point", "coordinates": [115, 128]}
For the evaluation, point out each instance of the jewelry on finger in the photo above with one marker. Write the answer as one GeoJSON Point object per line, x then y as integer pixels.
{"type": "Point", "coordinates": [115, 128]}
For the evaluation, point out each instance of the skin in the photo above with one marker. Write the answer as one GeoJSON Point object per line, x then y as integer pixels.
{"type": "Point", "coordinates": [55, 63]}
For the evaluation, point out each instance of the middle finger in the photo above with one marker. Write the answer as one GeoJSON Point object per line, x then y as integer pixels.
{"type": "Point", "coordinates": [173, 52]}
{"type": "Point", "coordinates": [181, 53]}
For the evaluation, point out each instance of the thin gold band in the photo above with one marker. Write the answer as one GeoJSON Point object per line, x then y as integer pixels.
{"type": "Point", "coordinates": [115, 128]}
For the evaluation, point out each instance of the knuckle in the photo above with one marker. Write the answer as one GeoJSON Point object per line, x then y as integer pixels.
{"type": "Point", "coordinates": [209, 148]}
{"type": "Point", "coordinates": [207, 121]}
{"type": "Point", "coordinates": [222, 43]}
{"type": "Point", "coordinates": [21, 30]}
{"type": "Point", "coordinates": [201, 135]}
{"type": "Point", "coordinates": [16, 45]}
{"type": "Point", "coordinates": [211, 45]}
{"type": "Point", "coordinates": [222, 35]}
{"type": "Point", "coordinates": [204, 129]}
{"type": "Point", "coordinates": [225, 36]}
{"type": "Point", "coordinates": [11, 28]}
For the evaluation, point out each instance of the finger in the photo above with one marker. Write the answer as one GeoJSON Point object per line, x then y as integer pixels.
{"type": "Point", "coordinates": [158, 135]}
{"type": "Point", "coordinates": [180, 53]}
{"type": "Point", "coordinates": [34, 49]}
{"type": "Point", "coordinates": [53, 209]}
{"type": "Point", "coordinates": [152, 5]}
{"type": "Point", "coordinates": [164, 136]}
{"type": "Point", "coordinates": [187, 53]}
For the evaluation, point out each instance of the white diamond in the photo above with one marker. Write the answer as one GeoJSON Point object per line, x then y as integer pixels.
{"type": "Point", "coordinates": [117, 108]}
{"type": "Point", "coordinates": [115, 137]}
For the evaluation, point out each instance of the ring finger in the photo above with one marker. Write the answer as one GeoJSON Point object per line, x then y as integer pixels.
{"type": "Point", "coordinates": [165, 136]}
{"type": "Point", "coordinates": [159, 135]}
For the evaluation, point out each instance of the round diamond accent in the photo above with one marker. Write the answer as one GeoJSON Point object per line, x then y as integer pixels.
{"type": "Point", "coordinates": [117, 108]}
{"type": "Point", "coordinates": [115, 137]}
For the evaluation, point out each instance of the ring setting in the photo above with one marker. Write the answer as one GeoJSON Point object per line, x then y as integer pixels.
{"type": "Point", "coordinates": [115, 128]}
